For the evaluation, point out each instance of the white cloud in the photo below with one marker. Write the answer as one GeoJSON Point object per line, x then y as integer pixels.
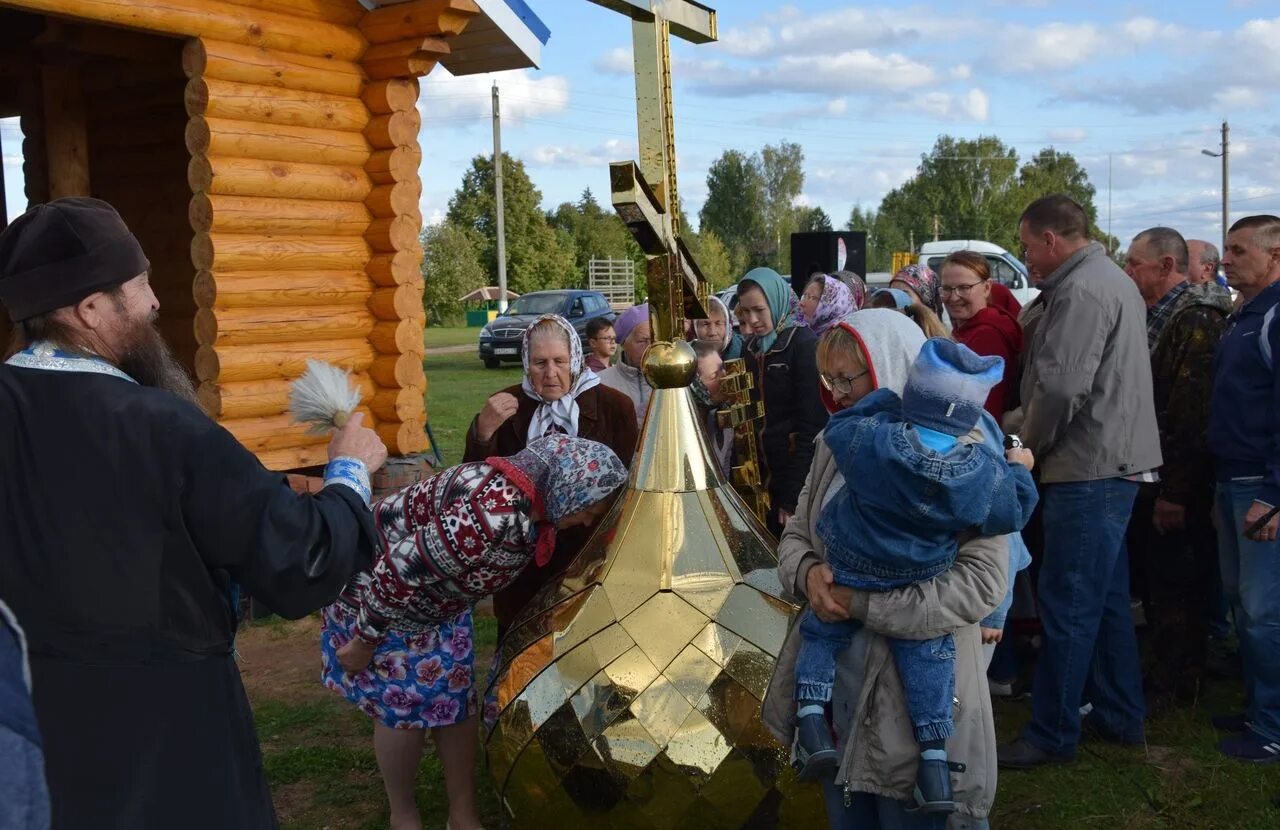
{"type": "Point", "coordinates": [975, 105]}
{"type": "Point", "coordinates": [573, 156]}
{"type": "Point", "coordinates": [854, 71]}
{"type": "Point", "coordinates": [617, 61]}
{"type": "Point", "coordinates": [522, 93]}
{"type": "Point", "coordinates": [1052, 46]}
{"type": "Point", "coordinates": [1067, 135]}
{"type": "Point", "coordinates": [962, 72]}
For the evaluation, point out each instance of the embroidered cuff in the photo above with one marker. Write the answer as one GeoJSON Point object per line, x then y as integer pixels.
{"type": "Point", "coordinates": [350, 472]}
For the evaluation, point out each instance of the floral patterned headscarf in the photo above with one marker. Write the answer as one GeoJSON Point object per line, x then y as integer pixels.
{"type": "Point", "coordinates": [559, 416]}
{"type": "Point", "coordinates": [834, 305]}
{"type": "Point", "coordinates": [922, 280]}
{"type": "Point", "coordinates": [857, 287]}
{"type": "Point", "coordinates": [561, 476]}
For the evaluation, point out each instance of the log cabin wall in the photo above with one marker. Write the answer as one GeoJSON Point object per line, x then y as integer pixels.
{"type": "Point", "coordinates": [303, 186]}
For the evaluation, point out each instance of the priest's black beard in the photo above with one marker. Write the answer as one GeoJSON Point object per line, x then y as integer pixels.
{"type": "Point", "coordinates": [149, 360]}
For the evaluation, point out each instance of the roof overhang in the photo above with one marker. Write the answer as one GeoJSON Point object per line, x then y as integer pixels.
{"type": "Point", "coordinates": [506, 34]}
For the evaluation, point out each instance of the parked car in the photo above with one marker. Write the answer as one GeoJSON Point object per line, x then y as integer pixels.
{"type": "Point", "coordinates": [1005, 267]}
{"type": "Point", "coordinates": [500, 340]}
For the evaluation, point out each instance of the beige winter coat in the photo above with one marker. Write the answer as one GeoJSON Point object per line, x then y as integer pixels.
{"type": "Point", "coordinates": [875, 733]}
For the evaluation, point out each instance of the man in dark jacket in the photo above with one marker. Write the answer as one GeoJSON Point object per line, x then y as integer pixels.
{"type": "Point", "coordinates": [1244, 438]}
{"type": "Point", "coordinates": [1089, 418]}
{"type": "Point", "coordinates": [125, 516]}
{"type": "Point", "coordinates": [1171, 537]}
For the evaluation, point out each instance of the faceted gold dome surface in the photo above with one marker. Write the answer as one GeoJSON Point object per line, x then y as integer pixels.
{"type": "Point", "coordinates": [628, 694]}
{"type": "Point", "coordinates": [670, 365]}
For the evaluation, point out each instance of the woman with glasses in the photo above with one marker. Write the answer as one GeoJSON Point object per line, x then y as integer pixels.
{"type": "Point", "coordinates": [980, 324]}
{"type": "Point", "coordinates": [873, 787]}
{"type": "Point", "coordinates": [780, 357]}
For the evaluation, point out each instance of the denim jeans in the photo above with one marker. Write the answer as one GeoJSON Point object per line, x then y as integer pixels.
{"type": "Point", "coordinates": [1251, 583]}
{"type": "Point", "coordinates": [1090, 650]}
{"type": "Point", "coordinates": [927, 669]}
{"type": "Point", "coordinates": [871, 812]}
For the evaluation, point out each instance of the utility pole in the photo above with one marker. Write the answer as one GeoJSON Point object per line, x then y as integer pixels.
{"type": "Point", "coordinates": [1226, 185]}
{"type": "Point", "coordinates": [1224, 154]}
{"type": "Point", "coordinates": [935, 227]}
{"type": "Point", "coordinates": [498, 207]}
{"type": "Point", "coordinates": [911, 240]}
{"type": "Point", "coordinates": [1109, 236]}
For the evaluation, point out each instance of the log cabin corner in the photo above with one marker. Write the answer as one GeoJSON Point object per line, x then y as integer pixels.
{"type": "Point", "coordinates": [266, 154]}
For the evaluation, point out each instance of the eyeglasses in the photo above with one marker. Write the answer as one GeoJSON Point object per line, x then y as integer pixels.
{"type": "Point", "coordinates": [839, 384]}
{"type": "Point", "coordinates": [962, 290]}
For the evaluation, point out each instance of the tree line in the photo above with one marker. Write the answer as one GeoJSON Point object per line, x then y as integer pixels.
{"type": "Point", "coordinates": [962, 189]}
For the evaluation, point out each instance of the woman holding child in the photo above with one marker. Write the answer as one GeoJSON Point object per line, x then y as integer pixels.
{"type": "Point", "coordinates": [879, 756]}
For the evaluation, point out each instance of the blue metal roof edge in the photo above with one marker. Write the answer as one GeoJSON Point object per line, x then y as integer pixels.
{"type": "Point", "coordinates": [527, 16]}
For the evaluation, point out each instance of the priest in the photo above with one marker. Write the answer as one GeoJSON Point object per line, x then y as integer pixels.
{"type": "Point", "coordinates": [126, 515]}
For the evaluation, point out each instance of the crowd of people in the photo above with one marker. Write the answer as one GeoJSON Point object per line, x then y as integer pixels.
{"type": "Point", "coordinates": [938, 459]}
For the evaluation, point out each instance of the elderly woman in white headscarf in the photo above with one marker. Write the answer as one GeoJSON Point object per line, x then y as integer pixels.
{"type": "Point", "coordinates": [559, 394]}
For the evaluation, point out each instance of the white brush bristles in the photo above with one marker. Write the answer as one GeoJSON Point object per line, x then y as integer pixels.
{"type": "Point", "coordinates": [323, 397]}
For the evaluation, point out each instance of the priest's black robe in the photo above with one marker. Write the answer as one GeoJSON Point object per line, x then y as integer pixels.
{"type": "Point", "coordinates": [124, 513]}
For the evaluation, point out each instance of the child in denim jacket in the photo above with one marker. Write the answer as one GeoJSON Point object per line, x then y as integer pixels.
{"type": "Point", "coordinates": [911, 487]}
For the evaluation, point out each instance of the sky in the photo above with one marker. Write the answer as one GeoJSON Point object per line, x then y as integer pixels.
{"type": "Point", "coordinates": [1135, 90]}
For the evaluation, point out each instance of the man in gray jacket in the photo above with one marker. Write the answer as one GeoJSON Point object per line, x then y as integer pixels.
{"type": "Point", "coordinates": [1090, 420]}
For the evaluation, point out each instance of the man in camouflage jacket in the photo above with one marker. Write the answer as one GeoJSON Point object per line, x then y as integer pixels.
{"type": "Point", "coordinates": [1171, 538]}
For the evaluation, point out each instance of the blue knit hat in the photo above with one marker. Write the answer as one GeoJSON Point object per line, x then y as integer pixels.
{"type": "Point", "coordinates": [948, 386]}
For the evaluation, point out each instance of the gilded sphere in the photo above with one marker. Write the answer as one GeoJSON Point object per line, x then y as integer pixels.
{"type": "Point", "coordinates": [670, 365]}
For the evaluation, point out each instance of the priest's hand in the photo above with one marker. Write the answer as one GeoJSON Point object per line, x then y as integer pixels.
{"type": "Point", "coordinates": [354, 657]}
{"type": "Point", "coordinates": [497, 410]}
{"type": "Point", "coordinates": [355, 440]}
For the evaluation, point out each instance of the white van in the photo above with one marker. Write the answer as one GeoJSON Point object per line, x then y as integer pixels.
{"type": "Point", "coordinates": [1005, 267]}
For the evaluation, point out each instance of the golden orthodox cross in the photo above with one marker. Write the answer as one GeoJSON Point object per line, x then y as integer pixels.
{"type": "Point", "coordinates": [645, 194]}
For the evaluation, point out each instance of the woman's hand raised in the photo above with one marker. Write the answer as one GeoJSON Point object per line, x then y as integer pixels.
{"type": "Point", "coordinates": [497, 410]}
{"type": "Point", "coordinates": [818, 589]}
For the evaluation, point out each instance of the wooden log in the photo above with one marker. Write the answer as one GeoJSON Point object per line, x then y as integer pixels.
{"type": "Point", "coordinates": [392, 95]}
{"type": "Point", "coordinates": [269, 289]}
{"type": "Point", "coordinates": [270, 68]}
{"type": "Point", "coordinates": [396, 165]}
{"type": "Point", "coordinates": [343, 12]}
{"type": "Point", "coordinates": [257, 398]}
{"type": "Point", "coordinates": [404, 266]}
{"type": "Point", "coordinates": [406, 58]}
{"type": "Point", "coordinates": [398, 404]}
{"type": "Point", "coordinates": [278, 432]}
{"type": "Point", "coordinates": [66, 131]}
{"type": "Point", "coordinates": [219, 20]}
{"type": "Point", "coordinates": [397, 371]}
{"type": "Point", "coordinates": [403, 337]}
{"type": "Point", "coordinates": [243, 252]}
{"type": "Point", "coordinates": [400, 303]}
{"type": "Point", "coordinates": [394, 233]}
{"type": "Point", "coordinates": [295, 458]}
{"type": "Point", "coordinates": [273, 105]}
{"type": "Point", "coordinates": [225, 176]}
{"type": "Point", "coordinates": [403, 438]}
{"type": "Point", "coordinates": [256, 362]}
{"type": "Point", "coordinates": [275, 142]}
{"type": "Point", "coordinates": [255, 326]}
{"type": "Point", "coordinates": [212, 213]}
{"type": "Point", "coordinates": [394, 199]}
{"type": "Point", "coordinates": [135, 48]}
{"type": "Point", "coordinates": [420, 18]}
{"type": "Point", "coordinates": [395, 129]}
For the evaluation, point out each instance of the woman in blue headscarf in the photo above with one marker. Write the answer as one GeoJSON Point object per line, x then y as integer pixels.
{"type": "Point", "coordinates": [780, 353]}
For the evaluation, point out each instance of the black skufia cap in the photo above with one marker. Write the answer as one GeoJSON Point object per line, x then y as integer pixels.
{"type": "Point", "coordinates": [58, 253]}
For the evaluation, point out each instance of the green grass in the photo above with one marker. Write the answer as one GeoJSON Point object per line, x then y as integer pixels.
{"type": "Point", "coordinates": [1178, 780]}
{"type": "Point", "coordinates": [437, 336]}
{"type": "Point", "coordinates": [457, 387]}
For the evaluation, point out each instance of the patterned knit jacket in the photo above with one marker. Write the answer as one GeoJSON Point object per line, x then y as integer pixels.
{"type": "Point", "coordinates": [443, 543]}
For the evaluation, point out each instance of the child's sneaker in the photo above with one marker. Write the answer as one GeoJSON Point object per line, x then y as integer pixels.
{"type": "Point", "coordinates": [816, 754]}
{"type": "Point", "coordinates": [933, 784]}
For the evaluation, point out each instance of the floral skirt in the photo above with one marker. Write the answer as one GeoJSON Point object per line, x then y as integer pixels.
{"type": "Point", "coordinates": [416, 680]}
